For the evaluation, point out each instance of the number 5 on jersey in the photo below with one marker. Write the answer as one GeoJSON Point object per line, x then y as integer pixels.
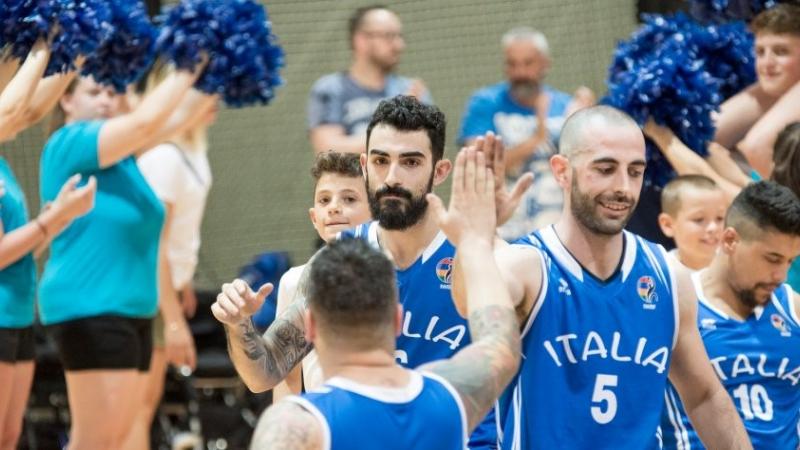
{"type": "Point", "coordinates": [604, 399]}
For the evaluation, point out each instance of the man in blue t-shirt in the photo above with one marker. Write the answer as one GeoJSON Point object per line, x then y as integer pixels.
{"type": "Point", "coordinates": [528, 115]}
{"type": "Point", "coordinates": [341, 103]}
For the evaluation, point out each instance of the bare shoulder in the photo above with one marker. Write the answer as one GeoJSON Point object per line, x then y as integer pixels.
{"type": "Point", "coordinates": [521, 268]}
{"type": "Point", "coordinates": [516, 256]}
{"type": "Point", "coordinates": [687, 299]}
{"type": "Point", "coordinates": [287, 426]}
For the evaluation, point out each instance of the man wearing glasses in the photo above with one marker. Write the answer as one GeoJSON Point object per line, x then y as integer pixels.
{"type": "Point", "coordinates": [341, 104]}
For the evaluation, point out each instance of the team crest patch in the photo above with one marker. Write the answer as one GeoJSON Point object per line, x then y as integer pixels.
{"type": "Point", "coordinates": [780, 325]}
{"type": "Point", "coordinates": [646, 288]}
{"type": "Point", "coordinates": [444, 270]}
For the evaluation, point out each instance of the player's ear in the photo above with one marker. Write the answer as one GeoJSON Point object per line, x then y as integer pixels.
{"type": "Point", "coordinates": [666, 225]}
{"type": "Point", "coordinates": [398, 320]}
{"type": "Point", "coordinates": [441, 170]}
{"type": "Point", "coordinates": [729, 241]}
{"type": "Point", "coordinates": [559, 164]}
{"type": "Point", "coordinates": [310, 326]}
{"type": "Point", "coordinates": [362, 159]}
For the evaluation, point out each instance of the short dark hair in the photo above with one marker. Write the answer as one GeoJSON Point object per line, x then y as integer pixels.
{"type": "Point", "coordinates": [764, 206]}
{"type": "Point", "coordinates": [356, 20]}
{"type": "Point", "coordinates": [786, 156]}
{"type": "Point", "coordinates": [345, 164]}
{"type": "Point", "coordinates": [406, 113]}
{"type": "Point", "coordinates": [351, 291]}
{"type": "Point", "coordinates": [781, 19]}
{"type": "Point", "coordinates": [673, 192]}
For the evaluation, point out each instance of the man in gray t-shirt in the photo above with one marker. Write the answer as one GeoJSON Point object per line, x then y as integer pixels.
{"type": "Point", "coordinates": [341, 104]}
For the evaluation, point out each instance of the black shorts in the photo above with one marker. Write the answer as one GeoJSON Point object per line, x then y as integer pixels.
{"type": "Point", "coordinates": [17, 344]}
{"type": "Point", "coordinates": [104, 342]}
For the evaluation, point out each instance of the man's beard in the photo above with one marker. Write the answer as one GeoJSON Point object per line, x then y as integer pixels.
{"type": "Point", "coordinates": [583, 209]}
{"type": "Point", "coordinates": [525, 89]}
{"type": "Point", "coordinates": [748, 296]}
{"type": "Point", "coordinates": [393, 214]}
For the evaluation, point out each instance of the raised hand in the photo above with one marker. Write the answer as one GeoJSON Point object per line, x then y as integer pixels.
{"type": "Point", "coordinates": [660, 134]}
{"type": "Point", "coordinates": [506, 201]}
{"type": "Point", "coordinates": [238, 302]}
{"type": "Point", "coordinates": [470, 216]}
{"type": "Point", "coordinates": [583, 97]}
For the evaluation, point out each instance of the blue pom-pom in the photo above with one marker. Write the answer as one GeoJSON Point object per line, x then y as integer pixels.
{"type": "Point", "coordinates": [244, 56]}
{"type": "Point", "coordinates": [22, 22]}
{"type": "Point", "coordinates": [728, 52]}
{"type": "Point", "coordinates": [126, 55]}
{"type": "Point", "coordinates": [81, 26]}
{"type": "Point", "coordinates": [721, 11]}
{"type": "Point", "coordinates": [660, 73]}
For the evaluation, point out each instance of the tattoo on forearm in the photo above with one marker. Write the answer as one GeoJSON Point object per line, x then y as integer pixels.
{"type": "Point", "coordinates": [281, 348]}
{"type": "Point", "coordinates": [495, 336]}
{"type": "Point", "coordinates": [252, 344]}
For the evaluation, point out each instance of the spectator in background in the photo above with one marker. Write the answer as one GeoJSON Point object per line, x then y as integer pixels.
{"type": "Point", "coordinates": [341, 104]}
{"type": "Point", "coordinates": [750, 121]}
{"type": "Point", "coordinates": [99, 290]}
{"type": "Point", "coordinates": [693, 214]}
{"type": "Point", "coordinates": [786, 171]}
{"type": "Point", "coordinates": [528, 115]}
{"type": "Point", "coordinates": [179, 174]}
{"type": "Point", "coordinates": [24, 99]}
{"type": "Point", "coordinates": [785, 163]}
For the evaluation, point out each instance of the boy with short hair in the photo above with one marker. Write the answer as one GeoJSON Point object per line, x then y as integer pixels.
{"type": "Point", "coordinates": [340, 203]}
{"type": "Point", "coordinates": [693, 211]}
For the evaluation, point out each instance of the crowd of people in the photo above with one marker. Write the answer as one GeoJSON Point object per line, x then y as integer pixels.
{"type": "Point", "coordinates": [523, 315]}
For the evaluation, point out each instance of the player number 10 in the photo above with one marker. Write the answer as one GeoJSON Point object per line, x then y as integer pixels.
{"type": "Point", "coordinates": [754, 402]}
{"type": "Point", "coordinates": [604, 414]}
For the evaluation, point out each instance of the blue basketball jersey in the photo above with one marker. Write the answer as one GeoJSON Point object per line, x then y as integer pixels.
{"type": "Point", "coordinates": [426, 414]}
{"type": "Point", "coordinates": [758, 362]}
{"type": "Point", "coordinates": [432, 328]}
{"type": "Point", "coordinates": [595, 354]}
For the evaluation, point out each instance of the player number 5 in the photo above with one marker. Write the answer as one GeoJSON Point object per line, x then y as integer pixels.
{"type": "Point", "coordinates": [603, 394]}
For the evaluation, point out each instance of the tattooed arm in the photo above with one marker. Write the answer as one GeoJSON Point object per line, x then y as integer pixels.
{"type": "Point", "coordinates": [495, 338]}
{"type": "Point", "coordinates": [261, 361]}
{"type": "Point", "coordinates": [470, 225]}
{"type": "Point", "coordinates": [287, 426]}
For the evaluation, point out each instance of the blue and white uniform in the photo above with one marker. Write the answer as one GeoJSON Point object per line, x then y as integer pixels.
{"type": "Point", "coordinates": [758, 362]}
{"type": "Point", "coordinates": [427, 414]}
{"type": "Point", "coordinates": [432, 328]}
{"type": "Point", "coordinates": [595, 354]}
